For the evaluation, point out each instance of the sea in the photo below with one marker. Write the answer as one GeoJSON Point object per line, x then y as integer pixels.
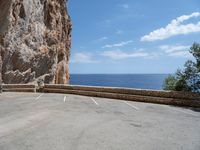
{"type": "Point", "coordinates": [140, 81]}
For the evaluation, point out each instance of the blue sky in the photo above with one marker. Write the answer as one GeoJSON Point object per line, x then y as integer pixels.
{"type": "Point", "coordinates": [132, 36]}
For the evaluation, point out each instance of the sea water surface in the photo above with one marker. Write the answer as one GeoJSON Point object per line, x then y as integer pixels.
{"type": "Point", "coordinates": [142, 81]}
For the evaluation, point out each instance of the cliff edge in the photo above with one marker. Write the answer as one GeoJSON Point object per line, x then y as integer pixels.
{"type": "Point", "coordinates": [35, 41]}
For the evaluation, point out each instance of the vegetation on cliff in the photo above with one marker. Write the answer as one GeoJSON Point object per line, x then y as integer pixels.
{"type": "Point", "coordinates": [187, 79]}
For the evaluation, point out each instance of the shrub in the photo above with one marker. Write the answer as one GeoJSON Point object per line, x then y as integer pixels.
{"type": "Point", "coordinates": [187, 79]}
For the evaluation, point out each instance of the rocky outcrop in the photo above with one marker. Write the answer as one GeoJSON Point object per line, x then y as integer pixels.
{"type": "Point", "coordinates": [35, 41]}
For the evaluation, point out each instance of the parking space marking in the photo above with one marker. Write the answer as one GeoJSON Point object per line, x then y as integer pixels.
{"type": "Point", "coordinates": [134, 107]}
{"type": "Point", "coordinates": [185, 112]}
{"type": "Point", "coordinates": [39, 96]}
{"type": "Point", "coordinates": [94, 101]}
{"type": "Point", "coordinates": [64, 99]}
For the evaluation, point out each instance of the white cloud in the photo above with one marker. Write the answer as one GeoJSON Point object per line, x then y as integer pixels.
{"type": "Point", "coordinates": [123, 43]}
{"type": "Point", "coordinates": [82, 58]}
{"type": "Point", "coordinates": [102, 39]}
{"type": "Point", "coordinates": [176, 50]}
{"type": "Point", "coordinates": [125, 6]}
{"type": "Point", "coordinates": [172, 48]}
{"type": "Point", "coordinates": [119, 32]}
{"type": "Point", "coordinates": [118, 54]}
{"type": "Point", "coordinates": [184, 54]}
{"type": "Point", "coordinates": [175, 27]}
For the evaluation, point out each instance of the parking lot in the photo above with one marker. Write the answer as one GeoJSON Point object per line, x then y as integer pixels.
{"type": "Point", "coordinates": [36, 121]}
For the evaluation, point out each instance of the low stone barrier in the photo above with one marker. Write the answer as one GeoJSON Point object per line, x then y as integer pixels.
{"type": "Point", "coordinates": [140, 95]}
{"type": "Point", "coordinates": [130, 91]}
{"type": "Point", "coordinates": [149, 96]}
{"type": "Point", "coordinates": [18, 88]}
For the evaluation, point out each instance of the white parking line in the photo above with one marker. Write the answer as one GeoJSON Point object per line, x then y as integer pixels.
{"type": "Point", "coordinates": [179, 110]}
{"type": "Point", "coordinates": [39, 96]}
{"type": "Point", "coordinates": [64, 99]}
{"type": "Point", "coordinates": [131, 105]}
{"type": "Point", "coordinates": [94, 101]}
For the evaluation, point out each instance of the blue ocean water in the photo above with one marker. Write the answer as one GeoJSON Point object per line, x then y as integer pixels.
{"type": "Point", "coordinates": [142, 81]}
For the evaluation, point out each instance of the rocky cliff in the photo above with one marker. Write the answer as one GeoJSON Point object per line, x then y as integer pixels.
{"type": "Point", "coordinates": [35, 41]}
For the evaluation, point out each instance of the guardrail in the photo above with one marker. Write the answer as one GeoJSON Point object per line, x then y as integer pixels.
{"type": "Point", "coordinates": [149, 96]}
{"type": "Point", "coordinates": [129, 91]}
{"type": "Point", "coordinates": [18, 88]}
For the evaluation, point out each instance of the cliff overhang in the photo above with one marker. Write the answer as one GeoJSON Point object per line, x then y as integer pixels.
{"type": "Point", "coordinates": [35, 41]}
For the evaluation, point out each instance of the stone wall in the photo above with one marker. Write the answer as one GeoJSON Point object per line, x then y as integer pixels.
{"type": "Point", "coordinates": [140, 95]}
{"type": "Point", "coordinates": [130, 91]}
{"type": "Point", "coordinates": [35, 41]}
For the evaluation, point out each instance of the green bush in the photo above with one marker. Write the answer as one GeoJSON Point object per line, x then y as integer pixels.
{"type": "Point", "coordinates": [170, 82]}
{"type": "Point", "coordinates": [187, 79]}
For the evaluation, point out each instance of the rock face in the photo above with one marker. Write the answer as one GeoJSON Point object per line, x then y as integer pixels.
{"type": "Point", "coordinates": [35, 41]}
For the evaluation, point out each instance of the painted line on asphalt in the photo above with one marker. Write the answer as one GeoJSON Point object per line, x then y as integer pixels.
{"type": "Point", "coordinates": [134, 107]}
{"type": "Point", "coordinates": [64, 99]}
{"type": "Point", "coordinates": [39, 96]}
{"type": "Point", "coordinates": [94, 101]}
{"type": "Point", "coordinates": [185, 112]}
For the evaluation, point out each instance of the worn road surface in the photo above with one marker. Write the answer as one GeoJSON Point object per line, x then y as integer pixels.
{"type": "Point", "coordinates": [35, 121]}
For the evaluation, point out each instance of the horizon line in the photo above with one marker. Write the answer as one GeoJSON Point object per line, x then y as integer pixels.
{"type": "Point", "coordinates": [119, 73]}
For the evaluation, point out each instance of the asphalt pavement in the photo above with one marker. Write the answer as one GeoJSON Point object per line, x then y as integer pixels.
{"type": "Point", "coordinates": [36, 121]}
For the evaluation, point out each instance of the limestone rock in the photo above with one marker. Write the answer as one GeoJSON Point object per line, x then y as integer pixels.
{"type": "Point", "coordinates": [35, 41]}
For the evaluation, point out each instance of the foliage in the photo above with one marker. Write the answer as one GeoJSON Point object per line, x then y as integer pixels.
{"type": "Point", "coordinates": [170, 82]}
{"type": "Point", "coordinates": [195, 51]}
{"type": "Point", "coordinates": [187, 79]}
